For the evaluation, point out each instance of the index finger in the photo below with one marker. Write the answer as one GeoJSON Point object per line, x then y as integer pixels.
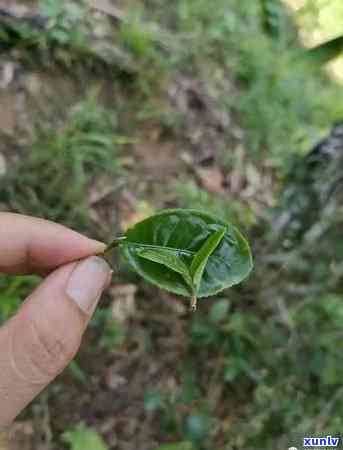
{"type": "Point", "coordinates": [31, 245]}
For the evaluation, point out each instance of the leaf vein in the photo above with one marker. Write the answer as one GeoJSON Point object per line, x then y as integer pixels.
{"type": "Point", "coordinates": [179, 250]}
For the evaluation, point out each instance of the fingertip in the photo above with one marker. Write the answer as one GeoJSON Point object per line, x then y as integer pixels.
{"type": "Point", "coordinates": [33, 245]}
{"type": "Point", "coordinates": [87, 282]}
{"type": "Point", "coordinates": [99, 247]}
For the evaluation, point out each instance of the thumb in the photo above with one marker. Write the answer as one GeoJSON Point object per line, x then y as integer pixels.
{"type": "Point", "coordinates": [44, 336]}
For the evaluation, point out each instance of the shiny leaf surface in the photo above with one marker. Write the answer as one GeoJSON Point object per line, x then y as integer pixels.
{"type": "Point", "coordinates": [201, 257]}
{"type": "Point", "coordinates": [170, 259]}
{"type": "Point", "coordinates": [160, 247]}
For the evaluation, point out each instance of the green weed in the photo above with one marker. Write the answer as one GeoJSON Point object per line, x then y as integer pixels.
{"type": "Point", "coordinates": [113, 333]}
{"type": "Point", "coordinates": [189, 195]}
{"type": "Point", "coordinates": [52, 179]}
{"type": "Point", "coordinates": [284, 102]}
{"type": "Point", "coordinates": [83, 438]}
{"type": "Point", "coordinates": [13, 292]}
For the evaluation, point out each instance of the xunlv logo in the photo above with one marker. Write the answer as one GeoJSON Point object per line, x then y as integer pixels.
{"type": "Point", "coordinates": [327, 441]}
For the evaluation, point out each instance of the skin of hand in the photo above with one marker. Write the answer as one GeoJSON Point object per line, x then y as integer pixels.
{"type": "Point", "coordinates": [43, 337]}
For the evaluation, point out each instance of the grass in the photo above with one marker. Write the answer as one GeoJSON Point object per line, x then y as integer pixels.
{"type": "Point", "coordinates": [189, 195]}
{"type": "Point", "coordinates": [262, 361]}
{"type": "Point", "coordinates": [287, 103]}
{"type": "Point", "coordinates": [67, 159]}
{"type": "Point", "coordinates": [13, 290]}
{"type": "Point", "coordinates": [51, 180]}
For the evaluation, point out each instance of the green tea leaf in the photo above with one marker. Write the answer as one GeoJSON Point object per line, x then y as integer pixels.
{"type": "Point", "coordinates": [201, 257]}
{"type": "Point", "coordinates": [183, 233]}
{"type": "Point", "coordinates": [169, 258]}
{"type": "Point", "coordinates": [84, 438]}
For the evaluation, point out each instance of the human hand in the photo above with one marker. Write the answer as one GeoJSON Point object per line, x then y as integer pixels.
{"type": "Point", "coordinates": [43, 337]}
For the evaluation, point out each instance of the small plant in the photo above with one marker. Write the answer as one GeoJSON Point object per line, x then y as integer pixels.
{"type": "Point", "coordinates": [67, 160]}
{"type": "Point", "coordinates": [186, 252]}
{"type": "Point", "coordinates": [83, 438]}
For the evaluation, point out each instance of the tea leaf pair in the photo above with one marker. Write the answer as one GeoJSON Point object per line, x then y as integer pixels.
{"type": "Point", "coordinates": [172, 260]}
{"type": "Point", "coordinates": [187, 252]}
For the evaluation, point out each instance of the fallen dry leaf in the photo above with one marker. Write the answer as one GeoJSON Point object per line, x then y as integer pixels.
{"type": "Point", "coordinates": [159, 157]}
{"type": "Point", "coordinates": [176, 304]}
{"type": "Point", "coordinates": [102, 188]}
{"type": "Point", "coordinates": [204, 120]}
{"type": "Point", "coordinates": [7, 69]}
{"type": "Point", "coordinates": [113, 380]}
{"type": "Point", "coordinates": [107, 7]}
{"type": "Point", "coordinates": [131, 210]}
{"type": "Point", "coordinates": [211, 179]}
{"type": "Point", "coordinates": [8, 115]}
{"type": "Point", "coordinates": [21, 436]}
{"type": "Point", "coordinates": [3, 165]}
{"type": "Point", "coordinates": [124, 302]}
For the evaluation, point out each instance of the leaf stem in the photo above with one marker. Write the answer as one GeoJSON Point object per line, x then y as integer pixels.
{"type": "Point", "coordinates": [106, 253]}
{"type": "Point", "coordinates": [193, 304]}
